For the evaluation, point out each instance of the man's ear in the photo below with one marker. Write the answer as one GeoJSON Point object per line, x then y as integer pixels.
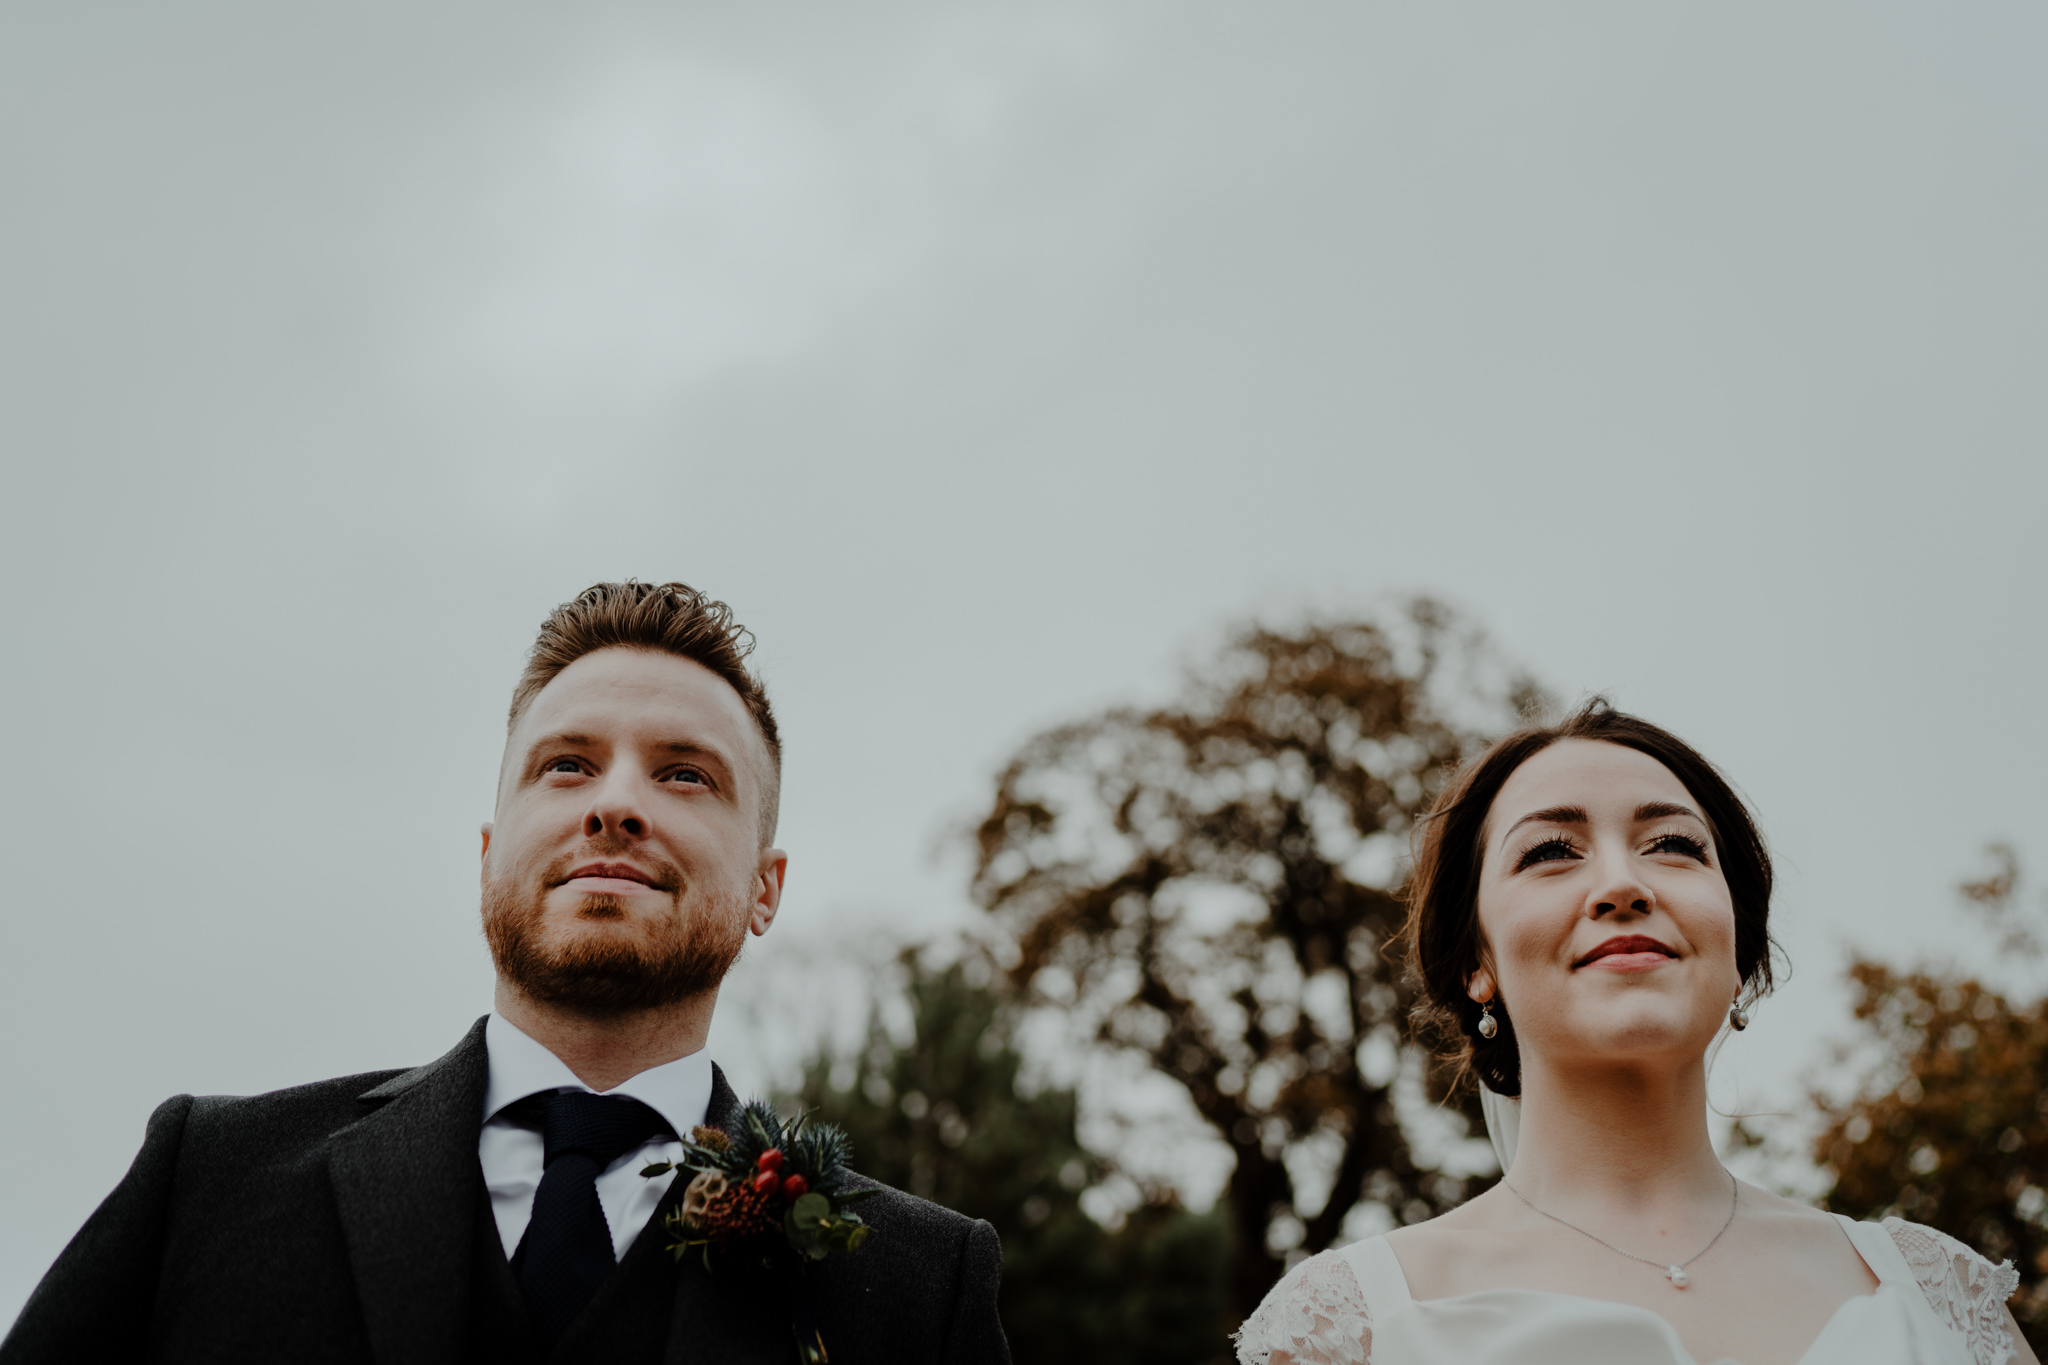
{"type": "Point", "coordinates": [484, 858]}
{"type": "Point", "coordinates": [768, 889]}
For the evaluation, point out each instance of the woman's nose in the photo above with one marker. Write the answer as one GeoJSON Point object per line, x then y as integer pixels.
{"type": "Point", "coordinates": [1619, 891]}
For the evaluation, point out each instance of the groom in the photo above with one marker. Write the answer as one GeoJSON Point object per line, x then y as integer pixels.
{"type": "Point", "coordinates": [424, 1216]}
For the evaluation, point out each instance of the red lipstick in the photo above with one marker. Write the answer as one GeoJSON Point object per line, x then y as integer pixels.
{"type": "Point", "coordinates": [1637, 951]}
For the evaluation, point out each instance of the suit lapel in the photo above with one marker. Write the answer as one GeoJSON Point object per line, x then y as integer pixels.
{"type": "Point", "coordinates": [405, 1182]}
{"type": "Point", "coordinates": [739, 1315]}
{"type": "Point", "coordinates": [723, 1110]}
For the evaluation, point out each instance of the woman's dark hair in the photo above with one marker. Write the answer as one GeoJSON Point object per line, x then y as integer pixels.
{"type": "Point", "coordinates": [1442, 938]}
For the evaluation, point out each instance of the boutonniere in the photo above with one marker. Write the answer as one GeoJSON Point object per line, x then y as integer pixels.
{"type": "Point", "coordinates": [765, 1177]}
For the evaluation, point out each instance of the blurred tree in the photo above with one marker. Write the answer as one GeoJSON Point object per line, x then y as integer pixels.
{"type": "Point", "coordinates": [943, 1116]}
{"type": "Point", "coordinates": [1212, 885]}
{"type": "Point", "coordinates": [1951, 1129]}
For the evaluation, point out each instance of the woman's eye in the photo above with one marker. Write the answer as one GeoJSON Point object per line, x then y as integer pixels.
{"type": "Point", "coordinates": [1685, 845]}
{"type": "Point", "coordinates": [1550, 850]}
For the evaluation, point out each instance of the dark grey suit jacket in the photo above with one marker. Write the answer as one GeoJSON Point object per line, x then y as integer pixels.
{"type": "Point", "coordinates": [337, 1222]}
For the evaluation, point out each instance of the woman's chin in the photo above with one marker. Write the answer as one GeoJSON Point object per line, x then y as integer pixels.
{"type": "Point", "coordinates": [1635, 1030]}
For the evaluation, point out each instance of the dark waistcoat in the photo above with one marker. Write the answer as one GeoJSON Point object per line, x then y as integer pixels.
{"type": "Point", "coordinates": [627, 1321]}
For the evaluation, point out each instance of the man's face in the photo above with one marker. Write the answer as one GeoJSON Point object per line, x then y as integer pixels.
{"type": "Point", "coordinates": [625, 866]}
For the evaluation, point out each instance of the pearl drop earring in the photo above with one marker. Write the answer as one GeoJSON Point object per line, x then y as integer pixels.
{"type": "Point", "coordinates": [1487, 1027]}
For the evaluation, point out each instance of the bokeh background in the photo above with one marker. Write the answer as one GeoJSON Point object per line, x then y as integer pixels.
{"type": "Point", "coordinates": [992, 360]}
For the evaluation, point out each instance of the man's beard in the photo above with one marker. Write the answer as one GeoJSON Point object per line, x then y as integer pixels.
{"type": "Point", "coordinates": [681, 954]}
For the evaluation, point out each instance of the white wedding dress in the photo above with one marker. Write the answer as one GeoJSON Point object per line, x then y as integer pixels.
{"type": "Point", "coordinates": [1937, 1303]}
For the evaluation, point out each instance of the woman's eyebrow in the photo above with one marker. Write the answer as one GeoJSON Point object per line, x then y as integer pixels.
{"type": "Point", "coordinates": [1556, 815]}
{"type": "Point", "coordinates": [1576, 815]}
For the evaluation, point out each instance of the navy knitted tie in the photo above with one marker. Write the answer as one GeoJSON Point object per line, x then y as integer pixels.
{"type": "Point", "coordinates": [567, 1250]}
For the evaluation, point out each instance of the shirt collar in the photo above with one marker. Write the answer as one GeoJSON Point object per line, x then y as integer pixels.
{"type": "Point", "coordinates": [680, 1091]}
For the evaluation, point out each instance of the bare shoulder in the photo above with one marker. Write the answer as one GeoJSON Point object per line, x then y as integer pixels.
{"type": "Point", "coordinates": [1781, 1217]}
{"type": "Point", "coordinates": [1493, 1240]}
{"type": "Point", "coordinates": [1473, 1245]}
{"type": "Point", "coordinates": [1789, 1235]}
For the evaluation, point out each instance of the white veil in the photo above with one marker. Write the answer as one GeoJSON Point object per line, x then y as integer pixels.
{"type": "Point", "coordinates": [1503, 1124]}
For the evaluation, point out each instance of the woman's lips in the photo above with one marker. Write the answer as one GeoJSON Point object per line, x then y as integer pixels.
{"type": "Point", "coordinates": [1629, 962]}
{"type": "Point", "coordinates": [1628, 953]}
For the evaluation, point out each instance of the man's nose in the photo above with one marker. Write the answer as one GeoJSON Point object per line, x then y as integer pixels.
{"type": "Point", "coordinates": [616, 809]}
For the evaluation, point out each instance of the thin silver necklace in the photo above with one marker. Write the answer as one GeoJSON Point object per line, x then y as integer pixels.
{"type": "Point", "coordinates": [1674, 1273]}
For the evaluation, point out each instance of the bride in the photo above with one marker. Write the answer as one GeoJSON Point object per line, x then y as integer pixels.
{"type": "Point", "coordinates": [1589, 910]}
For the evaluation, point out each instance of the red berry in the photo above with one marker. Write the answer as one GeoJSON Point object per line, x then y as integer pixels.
{"type": "Point", "coordinates": [793, 1187]}
{"type": "Point", "coordinates": [770, 1160]}
{"type": "Point", "coordinates": [764, 1182]}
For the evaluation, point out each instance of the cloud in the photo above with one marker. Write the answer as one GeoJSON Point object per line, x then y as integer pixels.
{"type": "Point", "coordinates": [665, 217]}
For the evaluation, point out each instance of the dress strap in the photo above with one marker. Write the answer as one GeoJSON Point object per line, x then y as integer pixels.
{"type": "Point", "coordinates": [1379, 1275]}
{"type": "Point", "coordinates": [1880, 1253]}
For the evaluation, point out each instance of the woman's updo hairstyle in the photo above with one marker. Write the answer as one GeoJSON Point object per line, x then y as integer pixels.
{"type": "Point", "coordinates": [1442, 938]}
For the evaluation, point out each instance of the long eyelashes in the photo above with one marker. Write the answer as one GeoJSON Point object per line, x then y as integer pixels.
{"type": "Point", "coordinates": [1557, 847]}
{"type": "Point", "coordinates": [1687, 844]}
{"type": "Point", "coordinates": [1547, 851]}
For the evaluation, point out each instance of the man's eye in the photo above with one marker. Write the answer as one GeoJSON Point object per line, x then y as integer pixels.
{"type": "Point", "coordinates": [563, 765]}
{"type": "Point", "coordinates": [687, 775]}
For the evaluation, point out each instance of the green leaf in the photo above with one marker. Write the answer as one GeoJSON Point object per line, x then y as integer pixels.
{"type": "Point", "coordinates": [855, 1196]}
{"type": "Point", "coordinates": [654, 1168]}
{"type": "Point", "coordinates": [811, 1210]}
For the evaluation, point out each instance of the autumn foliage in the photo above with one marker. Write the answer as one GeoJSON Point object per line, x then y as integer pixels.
{"type": "Point", "coordinates": [1211, 886]}
{"type": "Point", "coordinates": [1952, 1128]}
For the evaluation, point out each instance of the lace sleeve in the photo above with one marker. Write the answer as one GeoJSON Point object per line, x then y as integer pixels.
{"type": "Point", "coordinates": [1316, 1314]}
{"type": "Point", "coordinates": [1966, 1291]}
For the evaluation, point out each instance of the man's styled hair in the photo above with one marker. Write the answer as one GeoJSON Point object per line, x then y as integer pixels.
{"type": "Point", "coordinates": [673, 618]}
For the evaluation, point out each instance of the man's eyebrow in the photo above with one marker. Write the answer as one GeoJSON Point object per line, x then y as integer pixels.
{"type": "Point", "coordinates": [1551, 815]}
{"type": "Point", "coordinates": [563, 739]}
{"type": "Point", "coordinates": [576, 739]}
{"type": "Point", "coordinates": [689, 747]}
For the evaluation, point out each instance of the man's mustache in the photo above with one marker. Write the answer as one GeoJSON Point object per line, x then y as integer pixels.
{"type": "Point", "coordinates": [662, 876]}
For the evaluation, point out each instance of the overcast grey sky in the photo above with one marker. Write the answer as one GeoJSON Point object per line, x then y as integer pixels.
{"type": "Point", "coordinates": [989, 359]}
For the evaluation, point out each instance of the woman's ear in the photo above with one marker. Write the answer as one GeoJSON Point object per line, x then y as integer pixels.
{"type": "Point", "coordinates": [1480, 985]}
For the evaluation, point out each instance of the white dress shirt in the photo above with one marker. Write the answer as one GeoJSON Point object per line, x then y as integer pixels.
{"type": "Point", "coordinates": [512, 1156]}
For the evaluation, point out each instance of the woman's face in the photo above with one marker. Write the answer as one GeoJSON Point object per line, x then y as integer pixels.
{"type": "Point", "coordinates": [1609, 932]}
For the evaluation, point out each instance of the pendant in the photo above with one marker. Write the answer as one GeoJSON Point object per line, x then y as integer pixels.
{"type": "Point", "coordinates": [1676, 1274]}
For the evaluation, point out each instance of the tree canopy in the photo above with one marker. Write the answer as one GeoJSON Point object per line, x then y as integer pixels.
{"type": "Point", "coordinates": [946, 1114]}
{"type": "Point", "coordinates": [1212, 885]}
{"type": "Point", "coordinates": [1950, 1128]}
